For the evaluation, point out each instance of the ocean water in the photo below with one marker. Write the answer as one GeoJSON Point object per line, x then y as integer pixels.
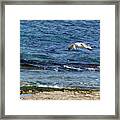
{"type": "Point", "coordinates": [46, 61]}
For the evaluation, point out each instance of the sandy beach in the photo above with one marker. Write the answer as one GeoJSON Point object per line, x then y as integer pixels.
{"type": "Point", "coordinates": [60, 94]}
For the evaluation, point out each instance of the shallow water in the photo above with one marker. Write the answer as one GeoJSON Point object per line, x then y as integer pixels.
{"type": "Point", "coordinates": [25, 95]}
{"type": "Point", "coordinates": [45, 59]}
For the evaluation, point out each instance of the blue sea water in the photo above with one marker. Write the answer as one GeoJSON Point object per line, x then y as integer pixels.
{"type": "Point", "coordinates": [45, 59]}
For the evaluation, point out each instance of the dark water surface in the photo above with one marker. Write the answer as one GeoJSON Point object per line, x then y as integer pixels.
{"type": "Point", "coordinates": [45, 59]}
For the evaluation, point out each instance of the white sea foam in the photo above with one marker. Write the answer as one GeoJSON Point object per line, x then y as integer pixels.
{"type": "Point", "coordinates": [72, 68]}
{"type": "Point", "coordinates": [91, 69]}
{"type": "Point", "coordinates": [50, 86]}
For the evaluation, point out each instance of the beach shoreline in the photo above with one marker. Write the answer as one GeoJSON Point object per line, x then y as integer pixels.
{"type": "Point", "coordinates": [42, 93]}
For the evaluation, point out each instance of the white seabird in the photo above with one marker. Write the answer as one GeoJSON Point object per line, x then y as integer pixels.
{"type": "Point", "coordinates": [76, 45]}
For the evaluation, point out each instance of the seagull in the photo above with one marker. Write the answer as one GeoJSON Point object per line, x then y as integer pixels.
{"type": "Point", "coordinates": [76, 45]}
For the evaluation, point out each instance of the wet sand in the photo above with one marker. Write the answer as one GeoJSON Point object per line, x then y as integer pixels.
{"type": "Point", "coordinates": [60, 94]}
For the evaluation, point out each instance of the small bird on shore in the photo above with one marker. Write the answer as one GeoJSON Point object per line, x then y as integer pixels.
{"type": "Point", "coordinates": [75, 46]}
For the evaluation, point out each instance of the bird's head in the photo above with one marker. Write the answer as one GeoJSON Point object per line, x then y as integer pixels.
{"type": "Point", "coordinates": [70, 47]}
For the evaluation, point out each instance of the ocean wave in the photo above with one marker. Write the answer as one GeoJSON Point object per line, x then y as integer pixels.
{"type": "Point", "coordinates": [81, 69]}
{"type": "Point", "coordinates": [66, 85]}
{"type": "Point", "coordinates": [72, 68]}
{"type": "Point", "coordinates": [35, 65]}
{"type": "Point", "coordinates": [91, 69]}
{"type": "Point", "coordinates": [70, 87]}
{"type": "Point", "coordinates": [50, 86]}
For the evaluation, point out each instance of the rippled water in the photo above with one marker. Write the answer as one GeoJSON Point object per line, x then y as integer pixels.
{"type": "Point", "coordinates": [45, 59]}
